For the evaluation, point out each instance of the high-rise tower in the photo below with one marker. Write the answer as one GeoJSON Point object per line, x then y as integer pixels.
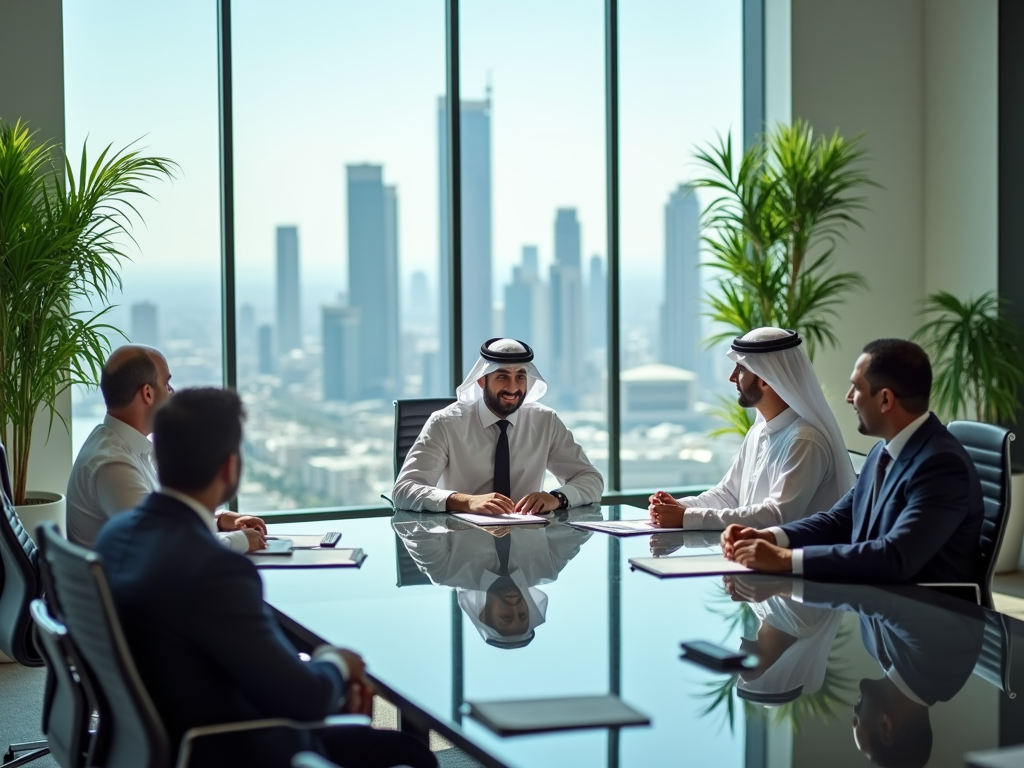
{"type": "Point", "coordinates": [289, 322]}
{"type": "Point", "coordinates": [680, 313]}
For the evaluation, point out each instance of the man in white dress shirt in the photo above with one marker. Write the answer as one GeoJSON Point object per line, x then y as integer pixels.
{"type": "Point", "coordinates": [793, 461]}
{"type": "Point", "coordinates": [114, 470]}
{"type": "Point", "coordinates": [487, 452]}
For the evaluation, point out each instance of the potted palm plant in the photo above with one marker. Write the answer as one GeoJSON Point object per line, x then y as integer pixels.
{"type": "Point", "coordinates": [61, 247]}
{"type": "Point", "coordinates": [978, 364]}
{"type": "Point", "coordinates": [771, 232]}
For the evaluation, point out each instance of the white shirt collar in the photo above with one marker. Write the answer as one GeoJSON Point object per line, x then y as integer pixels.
{"type": "Point", "coordinates": [901, 684]}
{"type": "Point", "coordinates": [203, 512]}
{"type": "Point", "coordinates": [137, 441]}
{"type": "Point", "coordinates": [898, 443]}
{"type": "Point", "coordinates": [487, 417]}
{"type": "Point", "coordinates": [781, 420]}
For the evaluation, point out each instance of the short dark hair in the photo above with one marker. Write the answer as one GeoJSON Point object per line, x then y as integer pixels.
{"type": "Point", "coordinates": [912, 747]}
{"type": "Point", "coordinates": [194, 432]}
{"type": "Point", "coordinates": [120, 384]}
{"type": "Point", "coordinates": [903, 367]}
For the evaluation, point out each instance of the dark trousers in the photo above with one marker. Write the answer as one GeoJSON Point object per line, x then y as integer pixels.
{"type": "Point", "coordinates": [360, 746]}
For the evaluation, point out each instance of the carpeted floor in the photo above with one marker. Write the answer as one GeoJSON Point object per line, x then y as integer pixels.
{"type": "Point", "coordinates": [21, 697]}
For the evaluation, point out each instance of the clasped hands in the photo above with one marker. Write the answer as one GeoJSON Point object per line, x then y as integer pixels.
{"type": "Point", "coordinates": [254, 527]}
{"type": "Point", "coordinates": [665, 511]}
{"type": "Point", "coordinates": [499, 504]}
{"type": "Point", "coordinates": [756, 549]}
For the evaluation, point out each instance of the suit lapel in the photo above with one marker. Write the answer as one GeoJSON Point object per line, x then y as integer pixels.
{"type": "Point", "coordinates": [868, 470]}
{"type": "Point", "coordinates": [917, 441]}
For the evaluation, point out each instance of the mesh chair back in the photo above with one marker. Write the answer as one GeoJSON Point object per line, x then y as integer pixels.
{"type": "Point", "coordinates": [130, 734]}
{"type": "Point", "coordinates": [21, 583]}
{"type": "Point", "coordinates": [996, 653]}
{"type": "Point", "coordinates": [66, 717]}
{"type": "Point", "coordinates": [989, 449]}
{"type": "Point", "coordinates": [410, 416]}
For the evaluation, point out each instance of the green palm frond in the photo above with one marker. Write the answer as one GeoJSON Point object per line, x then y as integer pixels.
{"type": "Point", "coordinates": [62, 241]}
{"type": "Point", "coordinates": [737, 419]}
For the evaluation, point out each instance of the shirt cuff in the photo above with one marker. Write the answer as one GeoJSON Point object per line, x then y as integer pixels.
{"type": "Point", "coordinates": [234, 540]}
{"type": "Point", "coordinates": [330, 654]}
{"type": "Point", "coordinates": [798, 562]}
{"type": "Point", "coordinates": [572, 495]}
{"type": "Point", "coordinates": [780, 536]}
{"type": "Point", "coordinates": [437, 500]}
{"type": "Point", "coordinates": [798, 587]}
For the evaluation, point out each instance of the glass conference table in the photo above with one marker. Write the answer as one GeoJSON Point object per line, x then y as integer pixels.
{"type": "Point", "coordinates": [419, 612]}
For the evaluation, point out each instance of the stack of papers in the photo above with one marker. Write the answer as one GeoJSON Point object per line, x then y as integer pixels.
{"type": "Point", "coordinates": [624, 527]}
{"type": "Point", "coordinates": [492, 520]}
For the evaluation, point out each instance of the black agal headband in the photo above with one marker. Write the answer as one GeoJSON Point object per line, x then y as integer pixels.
{"type": "Point", "coordinates": [495, 356]}
{"type": "Point", "coordinates": [768, 345]}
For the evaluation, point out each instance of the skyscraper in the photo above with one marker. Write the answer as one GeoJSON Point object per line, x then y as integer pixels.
{"type": "Point", "coordinates": [477, 301]}
{"type": "Point", "coordinates": [680, 313]}
{"type": "Point", "coordinates": [373, 277]}
{"type": "Point", "coordinates": [341, 352]}
{"type": "Point", "coordinates": [567, 309]}
{"type": "Point", "coordinates": [526, 306]}
{"type": "Point", "coordinates": [144, 324]}
{"type": "Point", "coordinates": [597, 305]}
{"type": "Point", "coordinates": [289, 323]}
{"type": "Point", "coordinates": [265, 357]}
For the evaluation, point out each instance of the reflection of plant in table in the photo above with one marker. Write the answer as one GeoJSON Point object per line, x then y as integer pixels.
{"type": "Point", "coordinates": [824, 704]}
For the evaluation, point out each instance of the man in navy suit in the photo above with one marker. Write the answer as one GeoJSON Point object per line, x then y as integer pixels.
{"type": "Point", "coordinates": [206, 645]}
{"type": "Point", "coordinates": [916, 511]}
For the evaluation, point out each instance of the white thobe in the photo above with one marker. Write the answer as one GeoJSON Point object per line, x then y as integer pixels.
{"type": "Point", "coordinates": [455, 454]}
{"type": "Point", "coordinates": [779, 476]}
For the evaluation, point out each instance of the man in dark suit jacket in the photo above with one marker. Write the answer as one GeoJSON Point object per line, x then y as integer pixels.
{"type": "Point", "coordinates": [205, 644]}
{"type": "Point", "coordinates": [916, 511]}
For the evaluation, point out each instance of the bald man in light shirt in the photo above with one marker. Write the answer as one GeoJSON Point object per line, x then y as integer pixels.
{"type": "Point", "coordinates": [114, 470]}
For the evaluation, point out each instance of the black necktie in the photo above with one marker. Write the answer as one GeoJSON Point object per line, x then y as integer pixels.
{"type": "Point", "coordinates": [502, 545]}
{"type": "Point", "coordinates": [880, 467]}
{"type": "Point", "coordinates": [502, 468]}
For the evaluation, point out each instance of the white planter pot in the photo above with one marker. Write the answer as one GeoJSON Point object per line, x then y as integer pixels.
{"type": "Point", "coordinates": [47, 507]}
{"type": "Point", "coordinates": [1009, 553]}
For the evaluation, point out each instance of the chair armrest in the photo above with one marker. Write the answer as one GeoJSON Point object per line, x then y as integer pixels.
{"type": "Point", "coordinates": [255, 725]}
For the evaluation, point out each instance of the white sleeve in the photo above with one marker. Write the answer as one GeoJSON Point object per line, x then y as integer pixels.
{"type": "Point", "coordinates": [416, 487]}
{"type": "Point", "coordinates": [580, 481]}
{"type": "Point", "coordinates": [800, 474]}
{"type": "Point", "coordinates": [234, 540]}
{"type": "Point", "coordinates": [120, 487]}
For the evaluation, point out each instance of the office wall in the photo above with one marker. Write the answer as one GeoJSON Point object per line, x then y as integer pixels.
{"type": "Point", "coordinates": [32, 89]}
{"type": "Point", "coordinates": [919, 79]}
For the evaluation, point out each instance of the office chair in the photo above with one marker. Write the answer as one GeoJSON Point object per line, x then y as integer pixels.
{"type": "Point", "coordinates": [130, 733]}
{"type": "Point", "coordinates": [21, 585]}
{"type": "Point", "coordinates": [66, 720]}
{"type": "Point", "coordinates": [996, 653]}
{"type": "Point", "coordinates": [410, 416]}
{"type": "Point", "coordinates": [989, 449]}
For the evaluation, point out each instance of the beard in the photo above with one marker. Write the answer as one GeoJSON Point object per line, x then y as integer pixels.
{"type": "Point", "coordinates": [500, 408]}
{"type": "Point", "coordinates": [752, 395]}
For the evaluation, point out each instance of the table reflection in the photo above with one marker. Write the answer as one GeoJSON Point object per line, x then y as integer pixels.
{"type": "Point", "coordinates": [495, 572]}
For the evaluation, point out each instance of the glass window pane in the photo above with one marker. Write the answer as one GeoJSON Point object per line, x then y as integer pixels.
{"type": "Point", "coordinates": [680, 84]}
{"type": "Point", "coordinates": [144, 89]}
{"type": "Point", "coordinates": [337, 230]}
{"type": "Point", "coordinates": [533, 197]}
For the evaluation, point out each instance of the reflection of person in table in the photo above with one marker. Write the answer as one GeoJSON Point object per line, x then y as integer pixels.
{"type": "Point", "coordinates": [793, 461]}
{"type": "Point", "coordinates": [792, 644]}
{"type": "Point", "coordinates": [495, 571]}
{"type": "Point", "coordinates": [926, 646]}
{"type": "Point", "coordinates": [488, 452]}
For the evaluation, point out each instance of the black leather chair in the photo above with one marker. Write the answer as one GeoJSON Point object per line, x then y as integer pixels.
{"type": "Point", "coordinates": [20, 586]}
{"type": "Point", "coordinates": [410, 416]}
{"type": "Point", "coordinates": [996, 653]}
{"type": "Point", "coordinates": [989, 448]}
{"type": "Point", "coordinates": [130, 733]}
{"type": "Point", "coordinates": [66, 719]}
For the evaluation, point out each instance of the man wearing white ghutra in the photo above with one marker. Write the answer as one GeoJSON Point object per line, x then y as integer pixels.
{"type": "Point", "coordinates": [487, 452]}
{"type": "Point", "coordinates": [793, 461]}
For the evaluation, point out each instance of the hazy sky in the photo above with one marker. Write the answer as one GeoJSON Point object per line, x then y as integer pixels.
{"type": "Point", "coordinates": [320, 84]}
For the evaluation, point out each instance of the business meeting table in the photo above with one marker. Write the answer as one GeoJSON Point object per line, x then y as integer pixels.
{"type": "Point", "coordinates": [446, 614]}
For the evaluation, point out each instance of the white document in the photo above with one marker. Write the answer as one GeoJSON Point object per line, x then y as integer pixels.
{"type": "Point", "coordinates": [491, 520]}
{"type": "Point", "coordinates": [694, 565]}
{"type": "Point", "coordinates": [624, 527]}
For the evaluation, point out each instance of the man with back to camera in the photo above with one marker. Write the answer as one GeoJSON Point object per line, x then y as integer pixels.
{"type": "Point", "coordinates": [114, 470]}
{"type": "Point", "coordinates": [487, 452]}
{"type": "Point", "coordinates": [205, 644]}
{"type": "Point", "coordinates": [916, 511]}
{"type": "Point", "coordinates": [793, 461]}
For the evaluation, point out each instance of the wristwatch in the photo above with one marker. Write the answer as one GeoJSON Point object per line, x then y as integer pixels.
{"type": "Point", "coordinates": [563, 501]}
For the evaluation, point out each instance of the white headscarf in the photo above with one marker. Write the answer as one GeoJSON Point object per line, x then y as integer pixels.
{"type": "Point", "coordinates": [787, 369]}
{"type": "Point", "coordinates": [502, 353]}
{"type": "Point", "coordinates": [472, 601]}
{"type": "Point", "coordinates": [801, 667]}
